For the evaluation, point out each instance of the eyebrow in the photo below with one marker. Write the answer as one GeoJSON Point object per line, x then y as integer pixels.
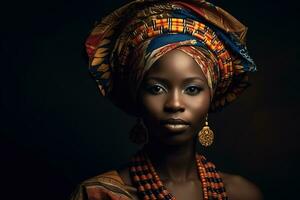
{"type": "Point", "coordinates": [189, 79]}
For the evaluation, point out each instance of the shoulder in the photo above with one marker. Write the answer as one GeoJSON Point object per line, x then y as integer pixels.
{"type": "Point", "coordinates": [108, 186]}
{"type": "Point", "coordinates": [239, 188]}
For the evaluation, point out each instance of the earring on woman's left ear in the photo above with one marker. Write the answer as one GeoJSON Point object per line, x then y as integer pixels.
{"type": "Point", "coordinates": [206, 135]}
{"type": "Point", "coordinates": [139, 133]}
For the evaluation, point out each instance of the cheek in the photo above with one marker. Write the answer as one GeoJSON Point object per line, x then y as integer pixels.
{"type": "Point", "coordinates": [151, 106]}
{"type": "Point", "coordinates": [199, 106]}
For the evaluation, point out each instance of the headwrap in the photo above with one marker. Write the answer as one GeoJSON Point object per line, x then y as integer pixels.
{"type": "Point", "coordinates": [127, 42]}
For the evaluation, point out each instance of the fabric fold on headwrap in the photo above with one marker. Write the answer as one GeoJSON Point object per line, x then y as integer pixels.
{"type": "Point", "coordinates": [149, 52]}
{"type": "Point", "coordinates": [126, 43]}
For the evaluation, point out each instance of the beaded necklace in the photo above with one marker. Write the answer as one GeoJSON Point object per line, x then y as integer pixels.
{"type": "Point", "coordinates": [150, 187]}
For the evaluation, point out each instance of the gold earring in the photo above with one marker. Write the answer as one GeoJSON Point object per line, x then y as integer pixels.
{"type": "Point", "coordinates": [206, 135]}
{"type": "Point", "coordinates": [139, 133]}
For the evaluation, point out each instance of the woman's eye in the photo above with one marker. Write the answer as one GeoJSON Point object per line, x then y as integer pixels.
{"type": "Point", "coordinates": [193, 90]}
{"type": "Point", "coordinates": [155, 89]}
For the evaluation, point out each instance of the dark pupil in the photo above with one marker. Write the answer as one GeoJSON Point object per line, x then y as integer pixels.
{"type": "Point", "coordinates": [192, 89]}
{"type": "Point", "coordinates": [156, 88]}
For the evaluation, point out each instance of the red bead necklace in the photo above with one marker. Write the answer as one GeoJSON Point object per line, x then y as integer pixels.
{"type": "Point", "coordinates": [150, 187]}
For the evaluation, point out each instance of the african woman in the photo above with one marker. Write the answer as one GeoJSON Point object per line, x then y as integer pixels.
{"type": "Point", "coordinates": [169, 63]}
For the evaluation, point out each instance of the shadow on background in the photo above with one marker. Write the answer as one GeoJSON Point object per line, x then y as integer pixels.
{"type": "Point", "coordinates": [56, 129]}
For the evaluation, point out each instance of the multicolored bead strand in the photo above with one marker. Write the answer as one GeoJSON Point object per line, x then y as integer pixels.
{"type": "Point", "coordinates": [150, 187]}
{"type": "Point", "coordinates": [210, 177]}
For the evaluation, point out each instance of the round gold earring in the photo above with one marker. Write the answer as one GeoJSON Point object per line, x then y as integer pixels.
{"type": "Point", "coordinates": [206, 135]}
{"type": "Point", "coordinates": [139, 133]}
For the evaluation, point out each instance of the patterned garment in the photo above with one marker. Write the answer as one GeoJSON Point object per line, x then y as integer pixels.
{"type": "Point", "coordinates": [126, 43]}
{"type": "Point", "coordinates": [106, 186]}
{"type": "Point", "coordinates": [111, 186]}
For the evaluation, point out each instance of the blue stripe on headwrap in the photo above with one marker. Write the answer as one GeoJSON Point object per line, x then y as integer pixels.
{"type": "Point", "coordinates": [229, 39]}
{"type": "Point", "coordinates": [184, 14]}
{"type": "Point", "coordinates": [166, 39]}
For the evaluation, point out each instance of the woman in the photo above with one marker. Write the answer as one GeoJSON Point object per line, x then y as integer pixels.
{"type": "Point", "coordinates": [169, 63]}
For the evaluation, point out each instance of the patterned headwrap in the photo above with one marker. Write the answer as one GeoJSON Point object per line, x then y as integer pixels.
{"type": "Point", "coordinates": [126, 43]}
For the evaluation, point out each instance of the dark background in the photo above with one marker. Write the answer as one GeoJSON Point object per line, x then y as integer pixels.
{"type": "Point", "coordinates": [56, 129]}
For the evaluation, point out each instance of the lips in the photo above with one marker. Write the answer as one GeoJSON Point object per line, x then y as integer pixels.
{"type": "Point", "coordinates": [175, 121]}
{"type": "Point", "coordinates": [175, 124]}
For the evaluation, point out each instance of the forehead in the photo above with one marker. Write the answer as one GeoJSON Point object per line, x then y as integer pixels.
{"type": "Point", "coordinates": [175, 65]}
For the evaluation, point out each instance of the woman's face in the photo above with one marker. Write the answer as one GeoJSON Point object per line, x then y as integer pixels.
{"type": "Point", "coordinates": [175, 98]}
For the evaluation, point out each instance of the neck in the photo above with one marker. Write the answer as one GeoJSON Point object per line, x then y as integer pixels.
{"type": "Point", "coordinates": [173, 162]}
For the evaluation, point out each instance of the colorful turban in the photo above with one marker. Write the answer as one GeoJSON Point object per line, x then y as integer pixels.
{"type": "Point", "coordinates": [127, 42]}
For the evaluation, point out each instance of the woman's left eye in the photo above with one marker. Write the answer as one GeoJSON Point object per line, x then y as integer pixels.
{"type": "Point", "coordinates": [193, 90]}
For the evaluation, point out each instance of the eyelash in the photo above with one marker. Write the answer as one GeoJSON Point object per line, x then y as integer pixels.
{"type": "Point", "coordinates": [152, 87]}
{"type": "Point", "coordinates": [198, 89]}
{"type": "Point", "coordinates": [155, 86]}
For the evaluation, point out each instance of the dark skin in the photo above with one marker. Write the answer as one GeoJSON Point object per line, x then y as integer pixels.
{"type": "Point", "coordinates": [175, 87]}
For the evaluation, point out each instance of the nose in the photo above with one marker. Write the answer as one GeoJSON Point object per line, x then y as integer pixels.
{"type": "Point", "coordinates": [174, 102]}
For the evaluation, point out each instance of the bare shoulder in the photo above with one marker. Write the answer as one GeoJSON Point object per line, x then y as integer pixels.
{"type": "Point", "coordinates": [239, 188]}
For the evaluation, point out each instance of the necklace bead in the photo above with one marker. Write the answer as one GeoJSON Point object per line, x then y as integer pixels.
{"type": "Point", "coordinates": [150, 187]}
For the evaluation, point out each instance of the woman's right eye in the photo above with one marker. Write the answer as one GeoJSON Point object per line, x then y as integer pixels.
{"type": "Point", "coordinates": [155, 89]}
